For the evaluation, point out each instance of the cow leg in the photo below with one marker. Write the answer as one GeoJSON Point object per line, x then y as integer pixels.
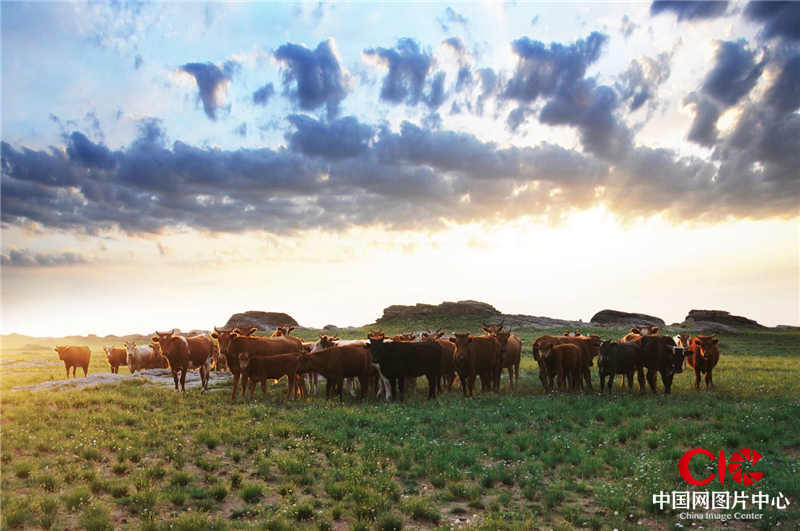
{"type": "Point", "coordinates": [709, 381]}
{"type": "Point", "coordinates": [696, 377]}
{"type": "Point", "coordinates": [432, 382]}
{"type": "Point", "coordinates": [640, 377]}
{"type": "Point", "coordinates": [629, 376]}
{"type": "Point", "coordinates": [175, 378]}
{"type": "Point", "coordinates": [183, 381]}
{"type": "Point", "coordinates": [587, 377]}
{"type": "Point", "coordinates": [263, 387]}
{"type": "Point", "coordinates": [666, 379]}
{"type": "Point", "coordinates": [235, 385]}
{"type": "Point", "coordinates": [651, 379]}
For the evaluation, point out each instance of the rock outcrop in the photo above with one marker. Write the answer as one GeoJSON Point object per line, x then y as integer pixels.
{"type": "Point", "coordinates": [699, 317]}
{"type": "Point", "coordinates": [448, 309]}
{"type": "Point", "coordinates": [264, 321]}
{"type": "Point", "coordinates": [615, 317]}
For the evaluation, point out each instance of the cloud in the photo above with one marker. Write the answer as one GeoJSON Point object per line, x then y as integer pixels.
{"type": "Point", "coordinates": [137, 62]}
{"type": "Point", "coordinates": [313, 78]}
{"type": "Point", "coordinates": [627, 26]}
{"type": "Point", "coordinates": [689, 10]}
{"type": "Point", "coordinates": [451, 17]}
{"type": "Point", "coordinates": [639, 82]}
{"type": "Point", "coordinates": [784, 94]}
{"type": "Point", "coordinates": [706, 113]}
{"type": "Point", "coordinates": [241, 130]}
{"type": "Point", "coordinates": [211, 83]}
{"type": "Point", "coordinates": [734, 74]}
{"type": "Point", "coordinates": [29, 258]}
{"type": "Point", "coordinates": [780, 19]}
{"type": "Point", "coordinates": [408, 67]}
{"type": "Point", "coordinates": [341, 138]}
{"type": "Point", "coordinates": [263, 95]}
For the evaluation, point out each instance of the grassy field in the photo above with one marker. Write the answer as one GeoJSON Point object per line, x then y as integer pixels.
{"type": "Point", "coordinates": [139, 456]}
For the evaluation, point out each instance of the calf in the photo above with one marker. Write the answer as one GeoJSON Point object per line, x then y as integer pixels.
{"type": "Point", "coordinates": [510, 355]}
{"type": "Point", "coordinates": [262, 368]}
{"type": "Point", "coordinates": [703, 356]}
{"type": "Point", "coordinates": [74, 357]}
{"type": "Point", "coordinates": [562, 360]}
{"type": "Point", "coordinates": [401, 360]}
{"type": "Point", "coordinates": [617, 358]}
{"type": "Point", "coordinates": [448, 358]}
{"type": "Point", "coordinates": [116, 356]}
{"type": "Point", "coordinates": [335, 363]}
{"type": "Point", "coordinates": [184, 353]}
{"type": "Point", "coordinates": [477, 356]}
{"type": "Point", "coordinates": [658, 354]}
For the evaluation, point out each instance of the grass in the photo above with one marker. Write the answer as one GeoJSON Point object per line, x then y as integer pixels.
{"type": "Point", "coordinates": [143, 457]}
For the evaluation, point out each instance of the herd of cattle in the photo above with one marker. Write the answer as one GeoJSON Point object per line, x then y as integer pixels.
{"type": "Point", "coordinates": [389, 366]}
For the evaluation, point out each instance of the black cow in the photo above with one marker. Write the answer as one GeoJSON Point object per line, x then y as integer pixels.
{"type": "Point", "coordinates": [400, 360]}
{"type": "Point", "coordinates": [658, 353]}
{"type": "Point", "coordinates": [617, 358]}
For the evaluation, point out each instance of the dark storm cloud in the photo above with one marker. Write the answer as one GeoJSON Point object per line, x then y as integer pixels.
{"type": "Point", "coordinates": [89, 154]}
{"type": "Point", "coordinates": [408, 67]}
{"type": "Point", "coordinates": [344, 137]}
{"type": "Point", "coordinates": [263, 95]}
{"type": "Point", "coordinates": [210, 78]}
{"type": "Point", "coordinates": [313, 78]}
{"type": "Point", "coordinates": [689, 10]}
{"type": "Point", "coordinates": [436, 95]}
{"type": "Point", "coordinates": [543, 71]}
{"type": "Point", "coordinates": [784, 94]}
{"type": "Point", "coordinates": [28, 258]}
{"type": "Point", "coordinates": [734, 74]}
{"type": "Point", "coordinates": [780, 19]}
{"type": "Point", "coordinates": [704, 126]}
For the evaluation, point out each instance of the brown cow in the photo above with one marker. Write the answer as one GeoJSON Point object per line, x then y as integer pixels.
{"type": "Point", "coordinates": [256, 368]}
{"type": "Point", "coordinates": [116, 356]}
{"type": "Point", "coordinates": [74, 357]}
{"type": "Point", "coordinates": [337, 363]}
{"type": "Point", "coordinates": [283, 331]}
{"type": "Point", "coordinates": [231, 343]}
{"type": "Point", "coordinates": [448, 357]}
{"type": "Point", "coordinates": [510, 355]}
{"type": "Point", "coordinates": [703, 355]}
{"type": "Point", "coordinates": [589, 347]}
{"type": "Point", "coordinates": [184, 353]}
{"type": "Point", "coordinates": [477, 356]}
{"type": "Point", "coordinates": [562, 360]}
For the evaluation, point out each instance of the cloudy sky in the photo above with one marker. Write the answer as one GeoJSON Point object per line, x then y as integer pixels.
{"type": "Point", "coordinates": [165, 165]}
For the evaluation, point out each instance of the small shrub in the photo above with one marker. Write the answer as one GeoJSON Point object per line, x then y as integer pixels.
{"type": "Point", "coordinates": [177, 497]}
{"type": "Point", "coordinates": [76, 498]}
{"type": "Point", "coordinates": [119, 468]}
{"type": "Point", "coordinates": [303, 511]}
{"type": "Point", "coordinates": [16, 514]}
{"type": "Point", "coordinates": [421, 508]}
{"type": "Point", "coordinates": [219, 493]}
{"type": "Point", "coordinates": [47, 482]}
{"type": "Point", "coordinates": [118, 490]}
{"type": "Point", "coordinates": [251, 492]}
{"type": "Point", "coordinates": [23, 470]}
{"type": "Point", "coordinates": [91, 454]}
{"type": "Point", "coordinates": [156, 472]}
{"type": "Point", "coordinates": [96, 518]}
{"type": "Point", "coordinates": [180, 478]}
{"type": "Point", "coordinates": [236, 481]}
{"type": "Point", "coordinates": [390, 522]}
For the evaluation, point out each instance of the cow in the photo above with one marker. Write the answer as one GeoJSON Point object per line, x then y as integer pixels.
{"type": "Point", "coordinates": [617, 358]}
{"type": "Point", "coordinates": [510, 355]}
{"type": "Point", "coordinates": [144, 356]}
{"type": "Point", "coordinates": [658, 354]}
{"type": "Point", "coordinates": [404, 337]}
{"type": "Point", "coordinates": [589, 347]}
{"type": "Point", "coordinates": [562, 360]}
{"type": "Point", "coordinates": [399, 361]}
{"type": "Point", "coordinates": [74, 357]}
{"type": "Point", "coordinates": [337, 362]}
{"type": "Point", "coordinates": [448, 358]}
{"type": "Point", "coordinates": [283, 330]}
{"type": "Point", "coordinates": [637, 332]}
{"type": "Point", "coordinates": [231, 343]}
{"type": "Point", "coordinates": [493, 328]}
{"type": "Point", "coordinates": [115, 356]}
{"type": "Point", "coordinates": [184, 353]}
{"type": "Point", "coordinates": [682, 340]}
{"type": "Point", "coordinates": [703, 356]}
{"type": "Point", "coordinates": [477, 356]}
{"type": "Point", "coordinates": [256, 368]}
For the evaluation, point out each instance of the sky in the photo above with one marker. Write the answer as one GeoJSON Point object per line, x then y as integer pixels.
{"type": "Point", "coordinates": [168, 164]}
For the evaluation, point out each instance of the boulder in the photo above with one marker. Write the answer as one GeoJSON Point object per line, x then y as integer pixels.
{"type": "Point", "coordinates": [264, 321]}
{"type": "Point", "coordinates": [448, 309]}
{"type": "Point", "coordinates": [720, 317]}
{"type": "Point", "coordinates": [615, 317]}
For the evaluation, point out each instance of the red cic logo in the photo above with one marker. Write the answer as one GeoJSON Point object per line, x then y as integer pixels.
{"type": "Point", "coordinates": [732, 466]}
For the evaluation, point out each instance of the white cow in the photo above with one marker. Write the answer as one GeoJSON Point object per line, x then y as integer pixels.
{"type": "Point", "coordinates": [139, 357]}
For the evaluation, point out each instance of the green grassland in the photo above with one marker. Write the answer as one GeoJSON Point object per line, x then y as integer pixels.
{"type": "Point", "coordinates": [139, 456]}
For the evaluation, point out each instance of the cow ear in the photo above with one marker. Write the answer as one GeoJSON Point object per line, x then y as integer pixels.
{"type": "Point", "coordinates": [214, 335]}
{"type": "Point", "coordinates": [715, 340]}
{"type": "Point", "coordinates": [252, 331]}
{"type": "Point", "coordinates": [654, 329]}
{"type": "Point", "coordinates": [634, 330]}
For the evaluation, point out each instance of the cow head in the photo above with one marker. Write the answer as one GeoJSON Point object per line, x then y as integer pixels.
{"type": "Point", "coordinates": [224, 337]}
{"type": "Point", "coordinates": [636, 330]}
{"type": "Point", "coordinates": [244, 359]}
{"type": "Point", "coordinates": [283, 330]}
{"type": "Point", "coordinates": [60, 351]}
{"type": "Point", "coordinates": [647, 330]}
{"type": "Point", "coordinates": [462, 342]}
{"type": "Point", "coordinates": [604, 359]}
{"type": "Point", "coordinates": [246, 332]}
{"type": "Point", "coordinates": [327, 341]}
{"type": "Point", "coordinates": [705, 346]}
{"type": "Point", "coordinates": [572, 333]}
{"type": "Point", "coordinates": [493, 328]}
{"type": "Point", "coordinates": [130, 347]}
{"type": "Point", "coordinates": [376, 336]}
{"type": "Point", "coordinates": [107, 349]}
{"type": "Point", "coordinates": [681, 340]}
